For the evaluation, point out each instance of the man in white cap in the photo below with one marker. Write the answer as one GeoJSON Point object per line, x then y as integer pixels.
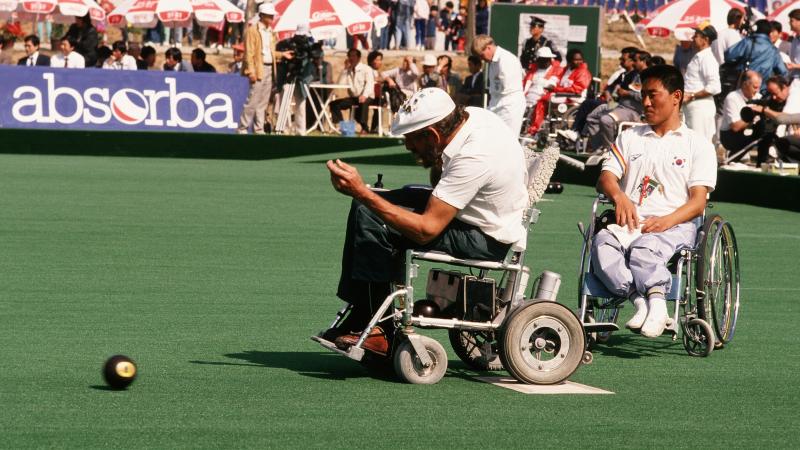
{"type": "Point", "coordinates": [543, 74]}
{"type": "Point", "coordinates": [505, 81]}
{"type": "Point", "coordinates": [430, 76]}
{"type": "Point", "coordinates": [258, 66]}
{"type": "Point", "coordinates": [474, 211]}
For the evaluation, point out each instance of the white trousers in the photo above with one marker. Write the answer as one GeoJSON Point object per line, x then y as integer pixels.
{"type": "Point", "coordinates": [699, 115]}
{"type": "Point", "coordinates": [255, 106]}
{"type": "Point", "coordinates": [511, 109]}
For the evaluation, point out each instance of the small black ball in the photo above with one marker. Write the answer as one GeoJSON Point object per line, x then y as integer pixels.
{"type": "Point", "coordinates": [119, 371]}
{"type": "Point", "coordinates": [559, 188]}
{"type": "Point", "coordinates": [426, 308]}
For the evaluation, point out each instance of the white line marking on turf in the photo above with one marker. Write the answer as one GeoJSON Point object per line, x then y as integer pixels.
{"type": "Point", "coordinates": [567, 387]}
{"type": "Point", "coordinates": [769, 289]}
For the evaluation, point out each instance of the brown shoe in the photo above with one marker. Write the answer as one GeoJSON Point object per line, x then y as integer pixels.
{"type": "Point", "coordinates": [376, 342]}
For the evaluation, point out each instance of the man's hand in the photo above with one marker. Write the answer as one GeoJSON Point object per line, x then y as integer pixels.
{"type": "Point", "coordinates": [346, 179]}
{"type": "Point", "coordinates": [362, 98]}
{"type": "Point", "coordinates": [289, 54]}
{"type": "Point", "coordinates": [625, 211]}
{"type": "Point", "coordinates": [391, 82]}
{"type": "Point", "coordinates": [657, 224]}
{"type": "Point", "coordinates": [252, 78]}
{"type": "Point", "coordinates": [757, 108]}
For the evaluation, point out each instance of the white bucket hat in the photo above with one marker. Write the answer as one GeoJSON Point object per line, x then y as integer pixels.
{"type": "Point", "coordinates": [267, 9]}
{"type": "Point", "coordinates": [545, 52]}
{"type": "Point", "coordinates": [429, 60]}
{"type": "Point", "coordinates": [423, 109]}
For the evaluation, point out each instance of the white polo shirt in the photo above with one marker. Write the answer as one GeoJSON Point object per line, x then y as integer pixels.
{"type": "Point", "coordinates": [702, 73]}
{"type": "Point", "coordinates": [483, 176]}
{"type": "Point", "coordinates": [732, 108]}
{"type": "Point", "coordinates": [73, 60]}
{"type": "Point", "coordinates": [669, 164]}
{"type": "Point", "coordinates": [505, 74]}
{"type": "Point", "coordinates": [127, 62]}
{"type": "Point", "coordinates": [726, 39]}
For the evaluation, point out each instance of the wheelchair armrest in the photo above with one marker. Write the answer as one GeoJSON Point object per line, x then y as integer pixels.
{"type": "Point", "coordinates": [441, 257]}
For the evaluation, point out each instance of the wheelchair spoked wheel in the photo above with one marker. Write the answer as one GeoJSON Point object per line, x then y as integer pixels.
{"type": "Point", "coordinates": [478, 349]}
{"type": "Point", "coordinates": [717, 278]}
{"type": "Point", "coordinates": [698, 337]}
{"type": "Point", "coordinates": [604, 311]}
{"type": "Point", "coordinates": [409, 367]}
{"type": "Point", "coordinates": [543, 343]}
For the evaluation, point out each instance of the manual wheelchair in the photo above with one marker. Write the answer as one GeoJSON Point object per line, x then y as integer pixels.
{"type": "Point", "coordinates": [704, 290]}
{"type": "Point", "coordinates": [494, 326]}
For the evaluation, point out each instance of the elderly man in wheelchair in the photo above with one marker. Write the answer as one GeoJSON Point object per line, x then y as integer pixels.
{"type": "Point", "coordinates": [658, 177]}
{"type": "Point", "coordinates": [476, 216]}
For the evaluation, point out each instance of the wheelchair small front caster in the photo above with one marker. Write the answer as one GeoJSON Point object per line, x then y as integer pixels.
{"type": "Point", "coordinates": [415, 370]}
{"type": "Point", "coordinates": [587, 358]}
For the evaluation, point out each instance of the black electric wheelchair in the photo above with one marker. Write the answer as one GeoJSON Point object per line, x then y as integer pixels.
{"type": "Point", "coordinates": [492, 323]}
{"type": "Point", "coordinates": [704, 291]}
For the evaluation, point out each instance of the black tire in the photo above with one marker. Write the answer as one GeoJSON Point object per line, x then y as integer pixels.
{"type": "Point", "coordinates": [408, 367]}
{"type": "Point", "coordinates": [478, 349]}
{"type": "Point", "coordinates": [698, 338]}
{"type": "Point", "coordinates": [717, 278]}
{"type": "Point", "coordinates": [543, 343]}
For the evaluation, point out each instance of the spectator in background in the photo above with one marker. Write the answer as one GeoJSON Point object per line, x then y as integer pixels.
{"type": "Point", "coordinates": [505, 81]}
{"type": "Point", "coordinates": [684, 51]}
{"type": "Point", "coordinates": [68, 57]}
{"type": "Point", "coordinates": [776, 29]}
{"type": "Point", "coordinates": [6, 50]}
{"type": "Point", "coordinates": [404, 77]}
{"type": "Point", "coordinates": [794, 51]}
{"type": "Point", "coordinates": [103, 54]}
{"type": "Point", "coordinates": [173, 61]}
{"type": "Point", "coordinates": [456, 29]}
{"type": "Point", "coordinates": [535, 42]}
{"type": "Point", "coordinates": [771, 107]}
{"type": "Point", "coordinates": [448, 81]}
{"type": "Point", "coordinates": [147, 58]}
{"type": "Point", "coordinates": [542, 75]}
{"type": "Point", "coordinates": [445, 18]}
{"type": "Point", "coordinates": [422, 11]}
{"type": "Point", "coordinates": [759, 52]}
{"type": "Point", "coordinates": [33, 56]}
{"type": "Point", "coordinates": [729, 36]}
{"type": "Point", "coordinates": [472, 89]}
{"type": "Point", "coordinates": [731, 130]}
{"type": "Point", "coordinates": [199, 63]}
{"type": "Point", "coordinates": [701, 83]}
{"type": "Point", "coordinates": [390, 6]}
{"type": "Point", "coordinates": [402, 33]}
{"type": "Point", "coordinates": [482, 18]}
{"type": "Point", "coordinates": [86, 37]}
{"type": "Point", "coordinates": [238, 55]}
{"type": "Point", "coordinates": [430, 73]}
{"type": "Point", "coordinates": [430, 28]}
{"type": "Point", "coordinates": [362, 87]}
{"type": "Point", "coordinates": [321, 71]}
{"type": "Point", "coordinates": [119, 59]}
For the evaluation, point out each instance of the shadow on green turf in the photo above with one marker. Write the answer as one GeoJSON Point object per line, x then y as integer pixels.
{"type": "Point", "coordinates": [329, 366]}
{"type": "Point", "coordinates": [400, 159]}
{"type": "Point", "coordinates": [103, 387]}
{"type": "Point", "coordinates": [631, 346]}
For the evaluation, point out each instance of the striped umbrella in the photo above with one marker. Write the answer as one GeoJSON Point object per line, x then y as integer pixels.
{"type": "Point", "coordinates": [691, 13]}
{"type": "Point", "coordinates": [324, 17]}
{"type": "Point", "coordinates": [174, 13]}
{"type": "Point", "coordinates": [62, 11]}
{"type": "Point", "coordinates": [782, 13]}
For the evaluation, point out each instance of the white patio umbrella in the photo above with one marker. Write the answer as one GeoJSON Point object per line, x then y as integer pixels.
{"type": "Point", "coordinates": [62, 11]}
{"type": "Point", "coordinates": [691, 13]}
{"type": "Point", "coordinates": [324, 17]}
{"type": "Point", "coordinates": [782, 14]}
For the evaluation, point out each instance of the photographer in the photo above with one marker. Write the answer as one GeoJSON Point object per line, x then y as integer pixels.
{"type": "Point", "coordinates": [768, 109]}
{"type": "Point", "coordinates": [757, 53]}
{"type": "Point", "coordinates": [733, 126]}
{"type": "Point", "coordinates": [298, 70]}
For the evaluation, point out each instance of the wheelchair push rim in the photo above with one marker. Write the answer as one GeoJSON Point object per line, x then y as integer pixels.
{"type": "Point", "coordinates": [718, 278]}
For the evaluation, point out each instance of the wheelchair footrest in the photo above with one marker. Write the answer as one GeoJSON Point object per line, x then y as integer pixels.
{"type": "Point", "coordinates": [597, 327]}
{"type": "Point", "coordinates": [353, 352]}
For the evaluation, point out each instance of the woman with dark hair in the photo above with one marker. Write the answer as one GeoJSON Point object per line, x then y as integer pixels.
{"type": "Point", "coordinates": [86, 35]}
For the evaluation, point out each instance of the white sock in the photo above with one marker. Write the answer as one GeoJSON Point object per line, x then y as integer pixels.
{"type": "Point", "coordinates": [640, 313]}
{"type": "Point", "coordinates": [657, 317]}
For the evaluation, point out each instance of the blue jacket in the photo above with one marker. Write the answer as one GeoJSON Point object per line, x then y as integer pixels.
{"type": "Point", "coordinates": [764, 57]}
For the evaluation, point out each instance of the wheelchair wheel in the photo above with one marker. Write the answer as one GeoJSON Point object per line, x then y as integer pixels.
{"type": "Point", "coordinates": [409, 368]}
{"type": "Point", "coordinates": [543, 343]}
{"type": "Point", "coordinates": [605, 312]}
{"type": "Point", "coordinates": [717, 278]}
{"type": "Point", "coordinates": [478, 349]}
{"type": "Point", "coordinates": [698, 337]}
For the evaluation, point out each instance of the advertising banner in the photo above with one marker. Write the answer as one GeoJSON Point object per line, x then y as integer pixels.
{"type": "Point", "coordinates": [95, 99]}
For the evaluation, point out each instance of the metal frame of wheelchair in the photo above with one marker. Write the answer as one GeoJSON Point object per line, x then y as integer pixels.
{"type": "Point", "coordinates": [537, 341]}
{"type": "Point", "coordinates": [704, 291]}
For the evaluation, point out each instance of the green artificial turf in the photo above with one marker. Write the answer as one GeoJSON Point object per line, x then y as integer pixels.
{"type": "Point", "coordinates": [212, 275]}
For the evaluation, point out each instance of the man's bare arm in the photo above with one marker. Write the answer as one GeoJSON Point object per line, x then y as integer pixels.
{"type": "Point", "coordinates": [688, 211]}
{"type": "Point", "coordinates": [608, 185]}
{"type": "Point", "coordinates": [420, 228]}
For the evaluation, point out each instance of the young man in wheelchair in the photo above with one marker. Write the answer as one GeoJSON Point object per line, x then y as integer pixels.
{"type": "Point", "coordinates": [474, 211]}
{"type": "Point", "coordinates": [658, 176]}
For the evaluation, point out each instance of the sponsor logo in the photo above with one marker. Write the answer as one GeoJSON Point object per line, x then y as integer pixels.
{"type": "Point", "coordinates": [169, 107]}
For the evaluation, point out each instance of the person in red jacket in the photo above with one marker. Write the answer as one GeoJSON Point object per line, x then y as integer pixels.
{"type": "Point", "coordinates": [575, 80]}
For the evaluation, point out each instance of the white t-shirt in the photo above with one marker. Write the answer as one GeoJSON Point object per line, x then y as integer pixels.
{"type": "Point", "coordinates": [670, 164]}
{"type": "Point", "coordinates": [127, 62]}
{"type": "Point", "coordinates": [266, 43]}
{"type": "Point", "coordinates": [727, 38]}
{"type": "Point", "coordinates": [732, 108]}
{"type": "Point", "coordinates": [73, 60]}
{"type": "Point", "coordinates": [505, 74]}
{"type": "Point", "coordinates": [702, 73]}
{"type": "Point", "coordinates": [483, 176]}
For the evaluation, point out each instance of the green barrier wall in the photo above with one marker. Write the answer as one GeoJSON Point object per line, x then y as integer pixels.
{"type": "Point", "coordinates": [504, 27]}
{"type": "Point", "coordinates": [179, 145]}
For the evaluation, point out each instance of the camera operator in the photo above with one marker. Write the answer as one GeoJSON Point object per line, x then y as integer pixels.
{"type": "Point", "coordinates": [768, 109]}
{"type": "Point", "coordinates": [298, 70]}
{"type": "Point", "coordinates": [732, 129]}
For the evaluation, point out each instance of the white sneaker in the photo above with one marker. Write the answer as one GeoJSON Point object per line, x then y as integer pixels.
{"type": "Point", "coordinates": [570, 135]}
{"type": "Point", "coordinates": [656, 319]}
{"type": "Point", "coordinates": [240, 131]}
{"type": "Point", "coordinates": [639, 315]}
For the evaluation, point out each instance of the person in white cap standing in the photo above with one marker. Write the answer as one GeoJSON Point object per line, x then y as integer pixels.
{"type": "Point", "coordinates": [505, 81]}
{"type": "Point", "coordinates": [474, 211]}
{"type": "Point", "coordinates": [258, 66]}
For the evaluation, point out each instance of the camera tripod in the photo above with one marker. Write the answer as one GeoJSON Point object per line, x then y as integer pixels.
{"type": "Point", "coordinates": [287, 96]}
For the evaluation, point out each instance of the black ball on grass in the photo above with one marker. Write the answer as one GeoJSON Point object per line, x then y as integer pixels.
{"type": "Point", "coordinates": [119, 371]}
